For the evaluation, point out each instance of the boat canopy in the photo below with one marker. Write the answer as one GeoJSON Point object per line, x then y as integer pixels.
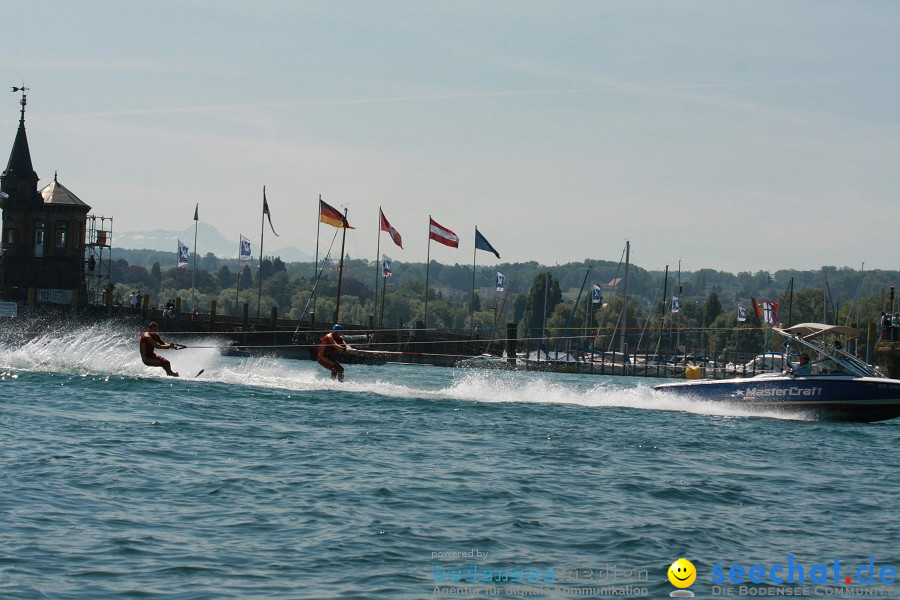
{"type": "Point", "coordinates": [805, 330]}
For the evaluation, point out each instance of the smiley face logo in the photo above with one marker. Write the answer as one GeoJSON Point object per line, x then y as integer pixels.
{"type": "Point", "coordinates": [682, 573]}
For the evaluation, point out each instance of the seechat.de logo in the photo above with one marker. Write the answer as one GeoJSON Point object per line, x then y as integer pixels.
{"type": "Point", "coordinates": [682, 574]}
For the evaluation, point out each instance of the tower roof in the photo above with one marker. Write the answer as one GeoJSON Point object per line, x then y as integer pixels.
{"type": "Point", "coordinates": [20, 158]}
{"type": "Point", "coordinates": [57, 193]}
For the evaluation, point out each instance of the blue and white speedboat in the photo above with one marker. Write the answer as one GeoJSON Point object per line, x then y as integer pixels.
{"type": "Point", "coordinates": [834, 386]}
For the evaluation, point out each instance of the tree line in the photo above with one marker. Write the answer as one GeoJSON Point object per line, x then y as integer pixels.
{"type": "Point", "coordinates": [540, 299]}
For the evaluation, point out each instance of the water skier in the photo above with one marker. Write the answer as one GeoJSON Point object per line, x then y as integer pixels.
{"type": "Point", "coordinates": [331, 343]}
{"type": "Point", "coordinates": [151, 339]}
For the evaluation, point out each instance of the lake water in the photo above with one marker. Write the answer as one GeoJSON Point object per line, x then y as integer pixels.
{"type": "Point", "coordinates": [265, 479]}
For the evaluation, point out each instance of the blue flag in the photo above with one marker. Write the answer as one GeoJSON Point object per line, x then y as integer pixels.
{"type": "Point", "coordinates": [483, 244]}
{"type": "Point", "coordinates": [742, 314]}
{"type": "Point", "coordinates": [386, 265]}
{"type": "Point", "coordinates": [596, 295]}
{"type": "Point", "coordinates": [183, 254]}
{"type": "Point", "coordinates": [501, 281]}
{"type": "Point", "coordinates": [676, 304]}
{"type": "Point", "coordinates": [244, 253]}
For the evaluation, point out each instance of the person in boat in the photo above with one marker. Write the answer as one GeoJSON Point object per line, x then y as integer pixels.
{"type": "Point", "coordinates": [331, 343]}
{"type": "Point", "coordinates": [151, 340]}
{"type": "Point", "coordinates": [803, 367]}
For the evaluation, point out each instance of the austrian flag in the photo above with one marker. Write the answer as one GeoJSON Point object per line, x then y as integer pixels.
{"type": "Point", "coordinates": [385, 226]}
{"type": "Point", "coordinates": [441, 234]}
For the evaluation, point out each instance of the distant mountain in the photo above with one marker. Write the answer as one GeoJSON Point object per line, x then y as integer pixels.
{"type": "Point", "coordinates": [208, 240]}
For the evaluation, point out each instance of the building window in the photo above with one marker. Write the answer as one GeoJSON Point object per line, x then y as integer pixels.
{"type": "Point", "coordinates": [10, 236]}
{"type": "Point", "coordinates": [38, 238]}
{"type": "Point", "coordinates": [79, 235]}
{"type": "Point", "coordinates": [62, 229]}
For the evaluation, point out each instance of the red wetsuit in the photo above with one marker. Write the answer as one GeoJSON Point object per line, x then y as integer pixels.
{"type": "Point", "coordinates": [325, 354]}
{"type": "Point", "coordinates": [148, 356]}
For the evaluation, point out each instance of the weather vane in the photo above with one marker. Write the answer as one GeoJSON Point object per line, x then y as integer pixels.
{"type": "Point", "coordinates": [22, 89]}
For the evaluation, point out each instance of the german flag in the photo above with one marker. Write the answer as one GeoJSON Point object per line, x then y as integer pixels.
{"type": "Point", "coordinates": [332, 216]}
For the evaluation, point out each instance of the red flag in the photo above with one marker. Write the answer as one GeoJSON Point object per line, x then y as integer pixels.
{"type": "Point", "coordinates": [441, 234]}
{"type": "Point", "coordinates": [385, 226]}
{"type": "Point", "coordinates": [266, 211]}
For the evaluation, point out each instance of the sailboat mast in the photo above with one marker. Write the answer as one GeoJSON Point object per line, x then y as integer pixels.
{"type": "Point", "coordinates": [316, 271]}
{"type": "Point", "coordinates": [337, 304]}
{"type": "Point", "coordinates": [625, 297]}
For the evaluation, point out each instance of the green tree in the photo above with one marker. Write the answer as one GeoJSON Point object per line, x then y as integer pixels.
{"type": "Point", "coordinates": [225, 277]}
{"type": "Point", "coordinates": [545, 294]}
{"type": "Point", "coordinates": [713, 307]}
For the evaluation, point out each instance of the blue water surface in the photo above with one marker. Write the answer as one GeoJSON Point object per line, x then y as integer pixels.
{"type": "Point", "coordinates": [264, 479]}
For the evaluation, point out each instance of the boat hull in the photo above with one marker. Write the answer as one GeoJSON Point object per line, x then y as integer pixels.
{"type": "Point", "coordinates": [824, 398]}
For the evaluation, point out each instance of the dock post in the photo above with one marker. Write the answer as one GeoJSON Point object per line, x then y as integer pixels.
{"type": "Point", "coordinates": [245, 324]}
{"type": "Point", "coordinates": [512, 332]}
{"type": "Point", "coordinates": [273, 325]}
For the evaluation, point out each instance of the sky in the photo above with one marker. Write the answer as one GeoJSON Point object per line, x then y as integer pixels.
{"type": "Point", "coordinates": [738, 136]}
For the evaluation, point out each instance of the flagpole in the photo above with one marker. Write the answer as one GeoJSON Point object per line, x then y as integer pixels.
{"type": "Point", "coordinates": [194, 272]}
{"type": "Point", "coordinates": [377, 259]}
{"type": "Point", "coordinates": [427, 269]}
{"type": "Point", "coordinates": [472, 299]}
{"type": "Point", "coordinates": [237, 290]}
{"type": "Point", "coordinates": [316, 265]}
{"type": "Point", "coordinates": [383, 286]}
{"type": "Point", "coordinates": [337, 305]}
{"type": "Point", "coordinates": [625, 299]}
{"type": "Point", "coordinates": [262, 231]}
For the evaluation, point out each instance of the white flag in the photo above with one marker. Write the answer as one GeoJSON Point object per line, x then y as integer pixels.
{"type": "Point", "coordinates": [596, 295]}
{"type": "Point", "coordinates": [245, 249]}
{"type": "Point", "coordinates": [676, 304]}
{"type": "Point", "coordinates": [742, 314]}
{"type": "Point", "coordinates": [386, 265]}
{"type": "Point", "coordinates": [501, 281]}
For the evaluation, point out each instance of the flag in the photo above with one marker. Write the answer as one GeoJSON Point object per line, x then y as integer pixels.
{"type": "Point", "coordinates": [770, 312]}
{"type": "Point", "coordinates": [4, 195]}
{"type": "Point", "coordinates": [197, 209]}
{"type": "Point", "coordinates": [767, 312]}
{"type": "Point", "coordinates": [182, 254]}
{"type": "Point", "coordinates": [244, 253]}
{"type": "Point", "coordinates": [386, 265]}
{"type": "Point", "coordinates": [742, 314]}
{"type": "Point", "coordinates": [596, 295]}
{"type": "Point", "coordinates": [771, 278]}
{"type": "Point", "coordinates": [332, 216]}
{"type": "Point", "coordinates": [482, 244]}
{"type": "Point", "coordinates": [441, 234]}
{"type": "Point", "coordinates": [676, 304]}
{"type": "Point", "coordinates": [501, 281]}
{"type": "Point", "coordinates": [385, 226]}
{"type": "Point", "coordinates": [267, 212]}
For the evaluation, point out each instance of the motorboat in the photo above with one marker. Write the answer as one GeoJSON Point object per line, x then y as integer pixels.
{"type": "Point", "coordinates": [835, 385]}
{"type": "Point", "coordinates": [486, 361]}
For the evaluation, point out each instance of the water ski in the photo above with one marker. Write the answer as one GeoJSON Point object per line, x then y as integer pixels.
{"type": "Point", "coordinates": [199, 373]}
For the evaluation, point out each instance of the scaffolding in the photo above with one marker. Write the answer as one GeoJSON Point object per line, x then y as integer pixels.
{"type": "Point", "coordinates": [97, 258]}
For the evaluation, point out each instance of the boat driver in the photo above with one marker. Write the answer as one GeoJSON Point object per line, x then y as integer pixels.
{"type": "Point", "coordinates": [803, 367]}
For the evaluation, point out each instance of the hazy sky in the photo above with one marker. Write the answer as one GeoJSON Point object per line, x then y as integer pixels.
{"type": "Point", "coordinates": [740, 136]}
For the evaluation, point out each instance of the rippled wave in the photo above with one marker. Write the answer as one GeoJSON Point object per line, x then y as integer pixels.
{"type": "Point", "coordinates": [264, 478]}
